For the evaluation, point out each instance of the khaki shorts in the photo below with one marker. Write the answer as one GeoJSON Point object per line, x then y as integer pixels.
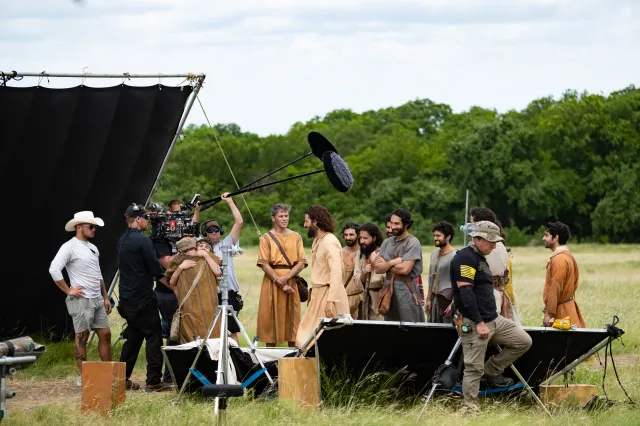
{"type": "Point", "coordinates": [87, 314]}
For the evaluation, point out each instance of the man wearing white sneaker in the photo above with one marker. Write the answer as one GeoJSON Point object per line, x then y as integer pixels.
{"type": "Point", "coordinates": [87, 300]}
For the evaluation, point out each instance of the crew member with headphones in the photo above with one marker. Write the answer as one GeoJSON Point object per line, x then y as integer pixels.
{"type": "Point", "coordinates": [213, 231]}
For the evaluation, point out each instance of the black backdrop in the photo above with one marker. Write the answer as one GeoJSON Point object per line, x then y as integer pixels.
{"type": "Point", "coordinates": [64, 151]}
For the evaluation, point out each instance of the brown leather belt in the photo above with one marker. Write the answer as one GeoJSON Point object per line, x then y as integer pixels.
{"type": "Point", "coordinates": [279, 267]}
{"type": "Point", "coordinates": [566, 301]}
{"type": "Point", "coordinates": [375, 290]}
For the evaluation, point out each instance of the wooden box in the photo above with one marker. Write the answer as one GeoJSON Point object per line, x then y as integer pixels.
{"type": "Point", "coordinates": [103, 386]}
{"type": "Point", "coordinates": [298, 381]}
{"type": "Point", "coordinates": [573, 395]}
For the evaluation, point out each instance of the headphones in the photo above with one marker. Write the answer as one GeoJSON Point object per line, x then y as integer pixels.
{"type": "Point", "coordinates": [203, 230]}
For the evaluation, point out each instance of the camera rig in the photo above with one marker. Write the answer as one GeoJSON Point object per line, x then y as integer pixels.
{"type": "Point", "coordinates": [173, 225]}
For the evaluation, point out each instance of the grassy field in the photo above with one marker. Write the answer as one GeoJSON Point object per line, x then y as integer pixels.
{"type": "Point", "coordinates": [609, 285]}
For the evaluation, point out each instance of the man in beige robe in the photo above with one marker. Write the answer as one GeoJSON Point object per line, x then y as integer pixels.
{"type": "Point", "coordinates": [328, 297]}
{"type": "Point", "coordinates": [350, 254]}
{"type": "Point", "coordinates": [370, 239]}
{"type": "Point", "coordinates": [279, 306]}
{"type": "Point", "coordinates": [562, 278]}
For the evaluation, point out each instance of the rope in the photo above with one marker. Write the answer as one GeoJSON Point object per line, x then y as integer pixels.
{"type": "Point", "coordinates": [229, 166]}
{"type": "Point", "coordinates": [614, 333]}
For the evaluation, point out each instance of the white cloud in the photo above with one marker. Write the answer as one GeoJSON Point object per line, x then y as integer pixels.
{"type": "Point", "coordinates": [272, 63]}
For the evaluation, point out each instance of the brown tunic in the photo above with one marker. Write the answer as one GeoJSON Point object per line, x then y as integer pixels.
{"type": "Point", "coordinates": [279, 312]}
{"type": "Point", "coordinates": [560, 288]}
{"type": "Point", "coordinates": [353, 286]}
{"type": "Point", "coordinates": [198, 311]}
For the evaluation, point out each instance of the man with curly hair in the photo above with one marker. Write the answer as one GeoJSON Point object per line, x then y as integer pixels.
{"type": "Point", "coordinates": [328, 297]}
{"type": "Point", "coordinates": [400, 259]}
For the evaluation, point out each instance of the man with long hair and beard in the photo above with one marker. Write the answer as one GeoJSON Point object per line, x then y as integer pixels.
{"type": "Point", "coordinates": [350, 252]}
{"type": "Point", "coordinates": [328, 297]}
{"type": "Point", "coordinates": [370, 238]}
{"type": "Point", "coordinates": [439, 302]}
{"type": "Point", "coordinates": [401, 260]}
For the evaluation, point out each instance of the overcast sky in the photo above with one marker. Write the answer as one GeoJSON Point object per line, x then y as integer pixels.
{"type": "Point", "coordinates": [271, 63]}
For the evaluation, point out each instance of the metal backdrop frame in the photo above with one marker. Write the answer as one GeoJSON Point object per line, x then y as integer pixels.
{"type": "Point", "coordinates": [199, 81]}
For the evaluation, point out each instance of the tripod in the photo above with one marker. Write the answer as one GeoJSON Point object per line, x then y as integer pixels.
{"type": "Point", "coordinates": [223, 313]}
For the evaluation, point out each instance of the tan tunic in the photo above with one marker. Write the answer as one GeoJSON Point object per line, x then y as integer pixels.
{"type": "Point", "coordinates": [326, 285]}
{"type": "Point", "coordinates": [354, 287]}
{"type": "Point", "coordinates": [372, 284]}
{"type": "Point", "coordinates": [197, 311]}
{"type": "Point", "coordinates": [560, 288]}
{"type": "Point", "coordinates": [279, 312]}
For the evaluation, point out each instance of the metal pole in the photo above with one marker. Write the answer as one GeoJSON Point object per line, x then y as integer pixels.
{"type": "Point", "coordinates": [575, 363]}
{"type": "Point", "coordinates": [466, 216]}
{"type": "Point", "coordinates": [190, 102]}
{"type": "Point", "coordinates": [89, 75]}
{"type": "Point", "coordinates": [437, 383]}
{"type": "Point", "coordinates": [185, 114]}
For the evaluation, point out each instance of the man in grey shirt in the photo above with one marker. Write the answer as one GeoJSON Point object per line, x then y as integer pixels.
{"type": "Point", "coordinates": [400, 259]}
{"type": "Point", "coordinates": [439, 300]}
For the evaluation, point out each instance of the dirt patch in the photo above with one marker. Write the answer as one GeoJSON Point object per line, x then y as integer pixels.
{"type": "Point", "coordinates": [32, 393]}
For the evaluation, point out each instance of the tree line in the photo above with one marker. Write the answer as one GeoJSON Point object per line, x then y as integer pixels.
{"type": "Point", "coordinates": [573, 159]}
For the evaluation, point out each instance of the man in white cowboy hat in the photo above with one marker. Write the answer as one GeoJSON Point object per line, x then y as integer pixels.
{"type": "Point", "coordinates": [477, 321]}
{"type": "Point", "coordinates": [87, 300]}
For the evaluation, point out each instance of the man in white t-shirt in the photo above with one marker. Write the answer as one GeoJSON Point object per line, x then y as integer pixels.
{"type": "Point", "coordinates": [214, 232]}
{"type": "Point", "coordinates": [87, 300]}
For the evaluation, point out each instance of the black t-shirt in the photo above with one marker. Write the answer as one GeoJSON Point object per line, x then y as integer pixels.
{"type": "Point", "coordinates": [138, 266]}
{"type": "Point", "coordinates": [471, 267]}
{"type": "Point", "coordinates": [163, 247]}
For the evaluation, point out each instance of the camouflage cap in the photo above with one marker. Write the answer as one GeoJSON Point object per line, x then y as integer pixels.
{"type": "Point", "coordinates": [486, 230]}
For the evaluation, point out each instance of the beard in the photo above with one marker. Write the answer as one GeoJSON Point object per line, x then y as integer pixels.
{"type": "Point", "coordinates": [312, 231]}
{"type": "Point", "coordinates": [397, 231]}
{"type": "Point", "coordinates": [367, 249]}
{"type": "Point", "coordinates": [441, 244]}
{"type": "Point", "coordinates": [350, 243]}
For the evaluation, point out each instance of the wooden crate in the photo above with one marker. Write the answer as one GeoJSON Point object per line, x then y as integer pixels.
{"type": "Point", "coordinates": [298, 382]}
{"type": "Point", "coordinates": [103, 386]}
{"type": "Point", "coordinates": [573, 395]}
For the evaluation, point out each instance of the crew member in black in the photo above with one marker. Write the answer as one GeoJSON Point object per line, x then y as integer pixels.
{"type": "Point", "coordinates": [478, 323]}
{"type": "Point", "coordinates": [165, 249]}
{"type": "Point", "coordinates": [138, 305]}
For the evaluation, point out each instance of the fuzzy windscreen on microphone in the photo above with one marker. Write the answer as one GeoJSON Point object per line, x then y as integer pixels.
{"type": "Point", "coordinates": [337, 171]}
{"type": "Point", "coordinates": [319, 144]}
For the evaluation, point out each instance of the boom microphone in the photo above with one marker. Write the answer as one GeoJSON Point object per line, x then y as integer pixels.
{"type": "Point", "coordinates": [337, 171]}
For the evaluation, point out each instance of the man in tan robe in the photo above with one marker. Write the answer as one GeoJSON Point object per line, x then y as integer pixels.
{"type": "Point", "coordinates": [370, 239]}
{"type": "Point", "coordinates": [328, 297]}
{"type": "Point", "coordinates": [281, 258]}
{"type": "Point", "coordinates": [350, 254]}
{"type": "Point", "coordinates": [562, 278]}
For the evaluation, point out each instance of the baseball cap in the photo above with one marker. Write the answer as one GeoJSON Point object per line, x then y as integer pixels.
{"type": "Point", "coordinates": [135, 210]}
{"type": "Point", "coordinates": [487, 230]}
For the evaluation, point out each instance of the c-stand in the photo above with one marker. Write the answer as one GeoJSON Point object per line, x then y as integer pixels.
{"type": "Point", "coordinates": [222, 390]}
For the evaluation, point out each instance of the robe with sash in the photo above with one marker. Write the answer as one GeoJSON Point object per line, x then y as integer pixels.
{"type": "Point", "coordinates": [278, 311]}
{"type": "Point", "coordinates": [354, 287]}
{"type": "Point", "coordinates": [371, 285]}
{"type": "Point", "coordinates": [199, 308]}
{"type": "Point", "coordinates": [560, 287]}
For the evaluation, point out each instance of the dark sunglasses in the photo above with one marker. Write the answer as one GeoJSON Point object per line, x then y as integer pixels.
{"type": "Point", "coordinates": [213, 230]}
{"type": "Point", "coordinates": [92, 227]}
{"type": "Point", "coordinates": [144, 216]}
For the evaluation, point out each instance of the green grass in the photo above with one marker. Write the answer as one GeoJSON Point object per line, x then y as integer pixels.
{"type": "Point", "coordinates": [609, 285]}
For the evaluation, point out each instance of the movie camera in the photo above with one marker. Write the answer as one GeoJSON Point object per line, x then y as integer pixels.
{"type": "Point", "coordinates": [173, 225]}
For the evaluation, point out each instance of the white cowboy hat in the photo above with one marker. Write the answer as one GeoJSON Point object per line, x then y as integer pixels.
{"type": "Point", "coordinates": [83, 217]}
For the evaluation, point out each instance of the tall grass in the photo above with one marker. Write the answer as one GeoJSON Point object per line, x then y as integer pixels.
{"type": "Point", "coordinates": [610, 284]}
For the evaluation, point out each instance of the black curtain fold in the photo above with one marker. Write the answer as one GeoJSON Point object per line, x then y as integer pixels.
{"type": "Point", "coordinates": [64, 151]}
